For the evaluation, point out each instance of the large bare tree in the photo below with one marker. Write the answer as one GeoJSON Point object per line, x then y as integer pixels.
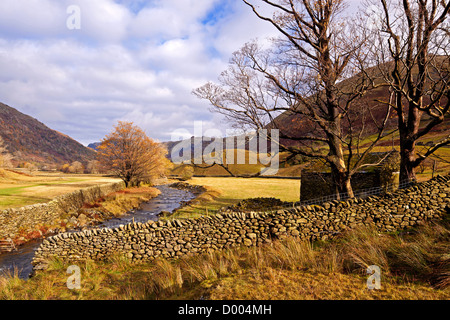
{"type": "Point", "coordinates": [411, 42]}
{"type": "Point", "coordinates": [308, 73]}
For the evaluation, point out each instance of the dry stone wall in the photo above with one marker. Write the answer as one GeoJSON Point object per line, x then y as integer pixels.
{"type": "Point", "coordinates": [13, 221]}
{"type": "Point", "coordinates": [170, 239]}
{"type": "Point", "coordinates": [315, 185]}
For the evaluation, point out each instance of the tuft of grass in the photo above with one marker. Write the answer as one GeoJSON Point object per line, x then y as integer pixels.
{"type": "Point", "coordinates": [363, 247]}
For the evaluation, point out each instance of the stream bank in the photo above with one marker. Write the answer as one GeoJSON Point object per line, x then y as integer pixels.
{"type": "Point", "coordinates": [168, 200]}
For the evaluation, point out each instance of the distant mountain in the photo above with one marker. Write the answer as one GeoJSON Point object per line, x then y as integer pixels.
{"type": "Point", "coordinates": [94, 145]}
{"type": "Point", "coordinates": [29, 140]}
{"type": "Point", "coordinates": [238, 142]}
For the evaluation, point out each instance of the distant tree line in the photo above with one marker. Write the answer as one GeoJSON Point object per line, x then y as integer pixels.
{"type": "Point", "coordinates": [91, 167]}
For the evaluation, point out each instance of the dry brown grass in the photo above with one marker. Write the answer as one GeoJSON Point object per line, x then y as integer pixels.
{"type": "Point", "coordinates": [204, 204]}
{"type": "Point", "coordinates": [413, 266]}
{"type": "Point", "coordinates": [223, 192]}
{"type": "Point", "coordinates": [276, 284]}
{"type": "Point", "coordinates": [121, 202]}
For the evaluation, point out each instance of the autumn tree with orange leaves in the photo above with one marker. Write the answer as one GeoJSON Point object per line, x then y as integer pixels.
{"type": "Point", "coordinates": [131, 155]}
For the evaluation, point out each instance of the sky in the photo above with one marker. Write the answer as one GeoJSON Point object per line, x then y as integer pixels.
{"type": "Point", "coordinates": [79, 66]}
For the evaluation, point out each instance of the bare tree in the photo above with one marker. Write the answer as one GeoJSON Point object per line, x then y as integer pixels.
{"type": "Point", "coordinates": [93, 167]}
{"type": "Point", "coordinates": [410, 49]}
{"type": "Point", "coordinates": [308, 74]}
{"type": "Point", "coordinates": [76, 167]}
{"type": "Point", "coordinates": [31, 167]}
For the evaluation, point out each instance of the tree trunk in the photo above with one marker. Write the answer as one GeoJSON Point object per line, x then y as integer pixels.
{"type": "Point", "coordinates": [342, 183]}
{"type": "Point", "coordinates": [407, 160]}
{"type": "Point", "coordinates": [434, 168]}
{"type": "Point", "coordinates": [348, 187]}
{"type": "Point", "coordinates": [339, 174]}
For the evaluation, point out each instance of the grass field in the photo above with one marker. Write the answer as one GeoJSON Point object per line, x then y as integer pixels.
{"type": "Point", "coordinates": [228, 191]}
{"type": "Point", "coordinates": [19, 189]}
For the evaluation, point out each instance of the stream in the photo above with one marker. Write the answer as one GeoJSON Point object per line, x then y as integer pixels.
{"type": "Point", "coordinates": [169, 200]}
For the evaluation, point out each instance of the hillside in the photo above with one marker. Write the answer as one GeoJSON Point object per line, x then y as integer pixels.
{"type": "Point", "coordinates": [239, 142]}
{"type": "Point", "coordinates": [364, 123]}
{"type": "Point", "coordinates": [241, 150]}
{"type": "Point", "coordinates": [29, 140]}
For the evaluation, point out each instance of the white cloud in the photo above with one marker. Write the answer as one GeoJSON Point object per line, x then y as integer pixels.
{"type": "Point", "coordinates": [235, 30]}
{"type": "Point", "coordinates": [132, 60]}
{"type": "Point", "coordinates": [103, 20]}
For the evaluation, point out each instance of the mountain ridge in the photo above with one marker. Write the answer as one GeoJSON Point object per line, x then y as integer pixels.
{"type": "Point", "coordinates": [29, 140]}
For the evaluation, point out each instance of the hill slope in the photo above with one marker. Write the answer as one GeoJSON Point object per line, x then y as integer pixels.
{"type": "Point", "coordinates": [295, 125]}
{"type": "Point", "coordinates": [29, 140]}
